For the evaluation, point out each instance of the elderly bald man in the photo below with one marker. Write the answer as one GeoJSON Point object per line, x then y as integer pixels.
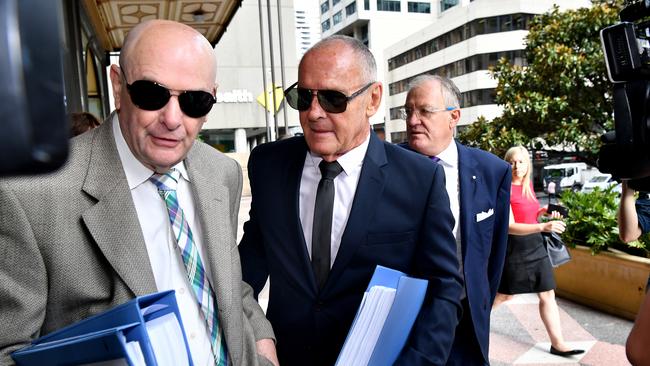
{"type": "Point", "coordinates": [98, 232]}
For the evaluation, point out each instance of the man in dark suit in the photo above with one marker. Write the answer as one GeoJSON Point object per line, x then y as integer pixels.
{"type": "Point", "coordinates": [478, 185]}
{"type": "Point", "coordinates": [389, 207]}
{"type": "Point", "coordinates": [97, 233]}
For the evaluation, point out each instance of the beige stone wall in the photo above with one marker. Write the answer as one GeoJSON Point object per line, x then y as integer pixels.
{"type": "Point", "coordinates": [242, 159]}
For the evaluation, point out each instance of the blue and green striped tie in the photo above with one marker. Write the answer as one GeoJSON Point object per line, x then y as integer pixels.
{"type": "Point", "coordinates": [167, 184]}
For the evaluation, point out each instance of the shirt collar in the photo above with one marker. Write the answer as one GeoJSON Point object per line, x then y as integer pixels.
{"type": "Point", "coordinates": [349, 161]}
{"type": "Point", "coordinates": [136, 173]}
{"type": "Point", "coordinates": [449, 156]}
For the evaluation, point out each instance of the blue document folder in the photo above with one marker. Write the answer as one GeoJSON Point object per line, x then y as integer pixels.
{"type": "Point", "coordinates": [409, 295]}
{"type": "Point", "coordinates": [104, 336]}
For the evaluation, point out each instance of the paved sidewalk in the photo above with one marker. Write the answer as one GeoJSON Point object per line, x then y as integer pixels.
{"type": "Point", "coordinates": [518, 336]}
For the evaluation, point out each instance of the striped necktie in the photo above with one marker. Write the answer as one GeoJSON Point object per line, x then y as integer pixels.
{"type": "Point", "coordinates": [167, 184]}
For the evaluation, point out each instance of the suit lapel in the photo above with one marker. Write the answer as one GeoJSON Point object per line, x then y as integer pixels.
{"type": "Point", "coordinates": [368, 193]}
{"type": "Point", "coordinates": [112, 221]}
{"type": "Point", "coordinates": [468, 178]}
{"type": "Point", "coordinates": [213, 202]}
{"type": "Point", "coordinates": [296, 245]}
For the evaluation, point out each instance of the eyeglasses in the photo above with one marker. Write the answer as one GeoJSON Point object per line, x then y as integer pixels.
{"type": "Point", "coordinates": [331, 101]}
{"type": "Point", "coordinates": [422, 112]}
{"type": "Point", "coordinates": [151, 96]}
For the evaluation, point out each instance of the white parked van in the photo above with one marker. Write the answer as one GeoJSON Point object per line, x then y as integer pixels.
{"type": "Point", "coordinates": [568, 176]}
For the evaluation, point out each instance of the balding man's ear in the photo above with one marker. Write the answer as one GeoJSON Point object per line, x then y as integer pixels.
{"type": "Point", "coordinates": [376, 91]}
{"type": "Point", "coordinates": [116, 83]}
{"type": "Point", "coordinates": [454, 117]}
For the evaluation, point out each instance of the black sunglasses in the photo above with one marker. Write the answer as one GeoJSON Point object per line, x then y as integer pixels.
{"type": "Point", "coordinates": [331, 101]}
{"type": "Point", "coordinates": [152, 96]}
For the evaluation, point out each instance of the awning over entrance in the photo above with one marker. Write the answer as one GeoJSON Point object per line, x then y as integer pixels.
{"type": "Point", "coordinates": [113, 19]}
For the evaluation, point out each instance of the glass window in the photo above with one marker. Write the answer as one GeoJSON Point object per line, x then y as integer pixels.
{"type": "Point", "coordinates": [351, 9]}
{"type": "Point", "coordinates": [446, 4]}
{"type": "Point", "coordinates": [506, 23]}
{"type": "Point", "coordinates": [388, 5]}
{"type": "Point", "coordinates": [324, 7]}
{"type": "Point", "coordinates": [455, 36]}
{"type": "Point", "coordinates": [364, 35]}
{"type": "Point", "coordinates": [366, 4]}
{"type": "Point", "coordinates": [334, 2]}
{"type": "Point", "coordinates": [416, 7]}
{"type": "Point", "coordinates": [492, 25]}
{"type": "Point", "coordinates": [479, 26]}
{"type": "Point", "coordinates": [518, 22]}
{"type": "Point", "coordinates": [325, 26]}
{"type": "Point", "coordinates": [337, 18]}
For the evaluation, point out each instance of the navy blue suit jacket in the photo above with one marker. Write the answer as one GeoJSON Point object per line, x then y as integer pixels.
{"type": "Point", "coordinates": [484, 181]}
{"type": "Point", "coordinates": [400, 218]}
{"type": "Point", "coordinates": [484, 190]}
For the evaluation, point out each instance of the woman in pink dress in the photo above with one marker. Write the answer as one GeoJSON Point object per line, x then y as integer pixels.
{"type": "Point", "coordinates": [527, 268]}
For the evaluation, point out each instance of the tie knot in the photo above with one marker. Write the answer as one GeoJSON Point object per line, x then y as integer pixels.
{"type": "Point", "coordinates": [167, 181]}
{"type": "Point", "coordinates": [330, 170]}
{"type": "Point", "coordinates": [435, 159]}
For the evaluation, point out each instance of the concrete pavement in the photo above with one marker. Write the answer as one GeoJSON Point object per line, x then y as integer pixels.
{"type": "Point", "coordinates": [518, 337]}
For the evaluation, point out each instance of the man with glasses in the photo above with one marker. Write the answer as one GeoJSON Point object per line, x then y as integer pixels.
{"type": "Point", "coordinates": [140, 207]}
{"type": "Point", "coordinates": [478, 185]}
{"type": "Point", "coordinates": [330, 206]}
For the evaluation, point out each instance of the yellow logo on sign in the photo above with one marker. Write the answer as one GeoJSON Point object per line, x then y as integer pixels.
{"type": "Point", "coordinates": [266, 99]}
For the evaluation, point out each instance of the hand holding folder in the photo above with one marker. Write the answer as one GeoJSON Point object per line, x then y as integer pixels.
{"type": "Point", "coordinates": [384, 320]}
{"type": "Point", "coordinates": [144, 331]}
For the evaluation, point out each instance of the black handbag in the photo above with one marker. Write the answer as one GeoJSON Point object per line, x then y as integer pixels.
{"type": "Point", "coordinates": [558, 254]}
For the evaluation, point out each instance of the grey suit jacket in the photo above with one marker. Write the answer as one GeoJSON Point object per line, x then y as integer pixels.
{"type": "Point", "coordinates": [71, 245]}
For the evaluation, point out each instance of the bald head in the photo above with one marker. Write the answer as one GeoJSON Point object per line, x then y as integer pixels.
{"type": "Point", "coordinates": [364, 59]}
{"type": "Point", "coordinates": [160, 62]}
{"type": "Point", "coordinates": [165, 37]}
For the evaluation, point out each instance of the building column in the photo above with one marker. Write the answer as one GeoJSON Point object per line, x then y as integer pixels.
{"type": "Point", "coordinates": [240, 141]}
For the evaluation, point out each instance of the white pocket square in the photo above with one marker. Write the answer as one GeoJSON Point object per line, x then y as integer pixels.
{"type": "Point", "coordinates": [484, 215]}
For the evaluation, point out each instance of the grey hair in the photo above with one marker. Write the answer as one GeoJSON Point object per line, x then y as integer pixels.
{"type": "Point", "coordinates": [450, 92]}
{"type": "Point", "coordinates": [366, 58]}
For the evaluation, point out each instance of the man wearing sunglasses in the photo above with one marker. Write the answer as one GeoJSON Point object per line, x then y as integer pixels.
{"type": "Point", "coordinates": [140, 207]}
{"type": "Point", "coordinates": [478, 185]}
{"type": "Point", "coordinates": [330, 206]}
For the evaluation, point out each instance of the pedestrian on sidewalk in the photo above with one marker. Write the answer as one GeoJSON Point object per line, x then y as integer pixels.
{"type": "Point", "coordinates": [527, 268]}
{"type": "Point", "coordinates": [329, 206]}
{"type": "Point", "coordinates": [478, 186]}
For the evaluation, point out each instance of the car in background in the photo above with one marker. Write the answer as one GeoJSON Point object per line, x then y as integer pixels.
{"type": "Point", "coordinates": [601, 181]}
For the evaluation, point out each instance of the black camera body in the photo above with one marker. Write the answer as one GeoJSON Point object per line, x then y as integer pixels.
{"type": "Point", "coordinates": [626, 151]}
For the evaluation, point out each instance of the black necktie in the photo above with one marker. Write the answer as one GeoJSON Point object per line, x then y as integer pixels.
{"type": "Point", "coordinates": [322, 230]}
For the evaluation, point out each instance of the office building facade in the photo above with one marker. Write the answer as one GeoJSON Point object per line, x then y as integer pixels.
{"type": "Point", "coordinates": [378, 23]}
{"type": "Point", "coordinates": [238, 122]}
{"type": "Point", "coordinates": [464, 40]}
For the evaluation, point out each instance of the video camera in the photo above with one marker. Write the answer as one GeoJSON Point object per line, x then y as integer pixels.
{"type": "Point", "coordinates": [34, 135]}
{"type": "Point", "coordinates": [626, 151]}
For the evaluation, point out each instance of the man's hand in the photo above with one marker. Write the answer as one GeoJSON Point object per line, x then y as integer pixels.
{"type": "Point", "coordinates": [266, 348]}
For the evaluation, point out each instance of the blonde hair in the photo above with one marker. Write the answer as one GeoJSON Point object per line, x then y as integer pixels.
{"type": "Point", "coordinates": [525, 185]}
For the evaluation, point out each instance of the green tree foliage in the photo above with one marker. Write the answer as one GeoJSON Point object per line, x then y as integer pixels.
{"type": "Point", "coordinates": [562, 95]}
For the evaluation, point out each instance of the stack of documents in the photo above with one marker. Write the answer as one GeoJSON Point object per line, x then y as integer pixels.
{"type": "Point", "coordinates": [384, 319]}
{"type": "Point", "coordinates": [144, 331]}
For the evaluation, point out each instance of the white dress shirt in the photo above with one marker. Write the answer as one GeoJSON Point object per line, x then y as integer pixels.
{"type": "Point", "coordinates": [449, 161]}
{"type": "Point", "coordinates": [166, 263]}
{"type": "Point", "coordinates": [345, 185]}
